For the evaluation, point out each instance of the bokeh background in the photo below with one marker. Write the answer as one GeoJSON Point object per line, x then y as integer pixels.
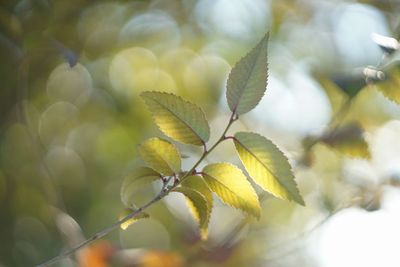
{"type": "Point", "coordinates": [70, 120]}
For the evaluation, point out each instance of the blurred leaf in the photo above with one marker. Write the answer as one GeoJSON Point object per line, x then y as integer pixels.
{"type": "Point", "coordinates": [247, 81]}
{"type": "Point", "coordinates": [177, 118]}
{"type": "Point", "coordinates": [336, 95]}
{"type": "Point", "coordinates": [96, 255]}
{"type": "Point", "coordinates": [348, 140]}
{"type": "Point", "coordinates": [129, 222]}
{"type": "Point", "coordinates": [267, 165]}
{"type": "Point", "coordinates": [232, 187]}
{"type": "Point", "coordinates": [161, 156]}
{"type": "Point", "coordinates": [136, 179]}
{"type": "Point", "coordinates": [161, 259]}
{"type": "Point", "coordinates": [390, 87]}
{"type": "Point", "coordinates": [199, 207]}
{"type": "Point", "coordinates": [351, 83]}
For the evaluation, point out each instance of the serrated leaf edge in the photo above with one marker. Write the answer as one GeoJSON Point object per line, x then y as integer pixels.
{"type": "Point", "coordinates": [266, 36]}
{"type": "Point", "coordinates": [236, 140]}
{"type": "Point", "coordinates": [186, 101]}
{"type": "Point", "coordinates": [257, 215]}
{"type": "Point", "coordinates": [164, 140]}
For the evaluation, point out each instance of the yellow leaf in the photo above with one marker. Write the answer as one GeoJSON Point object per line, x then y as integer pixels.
{"type": "Point", "coordinates": [161, 156]}
{"type": "Point", "coordinates": [198, 184]}
{"type": "Point", "coordinates": [199, 207]}
{"type": "Point", "coordinates": [390, 87]}
{"type": "Point", "coordinates": [267, 165]}
{"type": "Point", "coordinates": [232, 187]}
{"type": "Point", "coordinates": [129, 222]}
{"type": "Point", "coordinates": [179, 119]}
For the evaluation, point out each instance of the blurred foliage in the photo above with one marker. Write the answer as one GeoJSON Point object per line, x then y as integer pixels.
{"type": "Point", "coordinates": [71, 118]}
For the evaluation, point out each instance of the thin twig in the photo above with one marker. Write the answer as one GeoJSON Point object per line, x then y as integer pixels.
{"type": "Point", "coordinates": [108, 229]}
{"type": "Point", "coordinates": [164, 192]}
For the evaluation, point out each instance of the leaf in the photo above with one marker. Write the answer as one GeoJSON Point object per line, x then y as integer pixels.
{"type": "Point", "coordinates": [247, 81]}
{"type": "Point", "coordinates": [129, 222]}
{"type": "Point", "coordinates": [232, 187]}
{"type": "Point", "coordinates": [348, 140]}
{"type": "Point", "coordinates": [198, 184]}
{"type": "Point", "coordinates": [390, 87]}
{"type": "Point", "coordinates": [351, 83]}
{"type": "Point", "coordinates": [135, 180]}
{"type": "Point", "coordinates": [335, 94]}
{"type": "Point", "coordinates": [198, 206]}
{"type": "Point", "coordinates": [181, 120]}
{"type": "Point", "coordinates": [267, 165]}
{"type": "Point", "coordinates": [157, 258]}
{"type": "Point", "coordinates": [161, 156]}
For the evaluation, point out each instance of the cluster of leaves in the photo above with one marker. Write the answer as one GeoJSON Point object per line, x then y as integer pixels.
{"type": "Point", "coordinates": [185, 122]}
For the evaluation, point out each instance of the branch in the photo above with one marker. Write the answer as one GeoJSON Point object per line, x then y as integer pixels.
{"type": "Point", "coordinates": [107, 230]}
{"type": "Point", "coordinates": [164, 192]}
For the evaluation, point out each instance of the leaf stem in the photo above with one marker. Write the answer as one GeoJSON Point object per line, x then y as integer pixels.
{"type": "Point", "coordinates": [163, 192]}
{"type": "Point", "coordinates": [232, 119]}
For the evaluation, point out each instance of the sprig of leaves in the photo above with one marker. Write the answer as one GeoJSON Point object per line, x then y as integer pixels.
{"type": "Point", "coordinates": [185, 122]}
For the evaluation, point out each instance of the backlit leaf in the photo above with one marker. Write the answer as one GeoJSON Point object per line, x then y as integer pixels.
{"type": "Point", "coordinates": [232, 187]}
{"type": "Point", "coordinates": [179, 119]}
{"type": "Point", "coordinates": [135, 180]}
{"type": "Point", "coordinates": [161, 156]}
{"type": "Point", "coordinates": [198, 184]}
{"type": "Point", "coordinates": [129, 222]}
{"type": "Point", "coordinates": [198, 206]}
{"type": "Point", "coordinates": [267, 165]}
{"type": "Point", "coordinates": [247, 81]}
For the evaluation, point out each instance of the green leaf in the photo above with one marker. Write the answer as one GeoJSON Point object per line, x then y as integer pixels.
{"type": "Point", "coordinates": [198, 184]}
{"type": "Point", "coordinates": [199, 207]}
{"type": "Point", "coordinates": [179, 119]}
{"type": "Point", "coordinates": [232, 187]}
{"type": "Point", "coordinates": [129, 222]}
{"type": "Point", "coordinates": [348, 140]}
{"type": "Point", "coordinates": [135, 180]}
{"type": "Point", "coordinates": [247, 81]}
{"type": "Point", "coordinates": [267, 165]}
{"type": "Point", "coordinates": [161, 155]}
